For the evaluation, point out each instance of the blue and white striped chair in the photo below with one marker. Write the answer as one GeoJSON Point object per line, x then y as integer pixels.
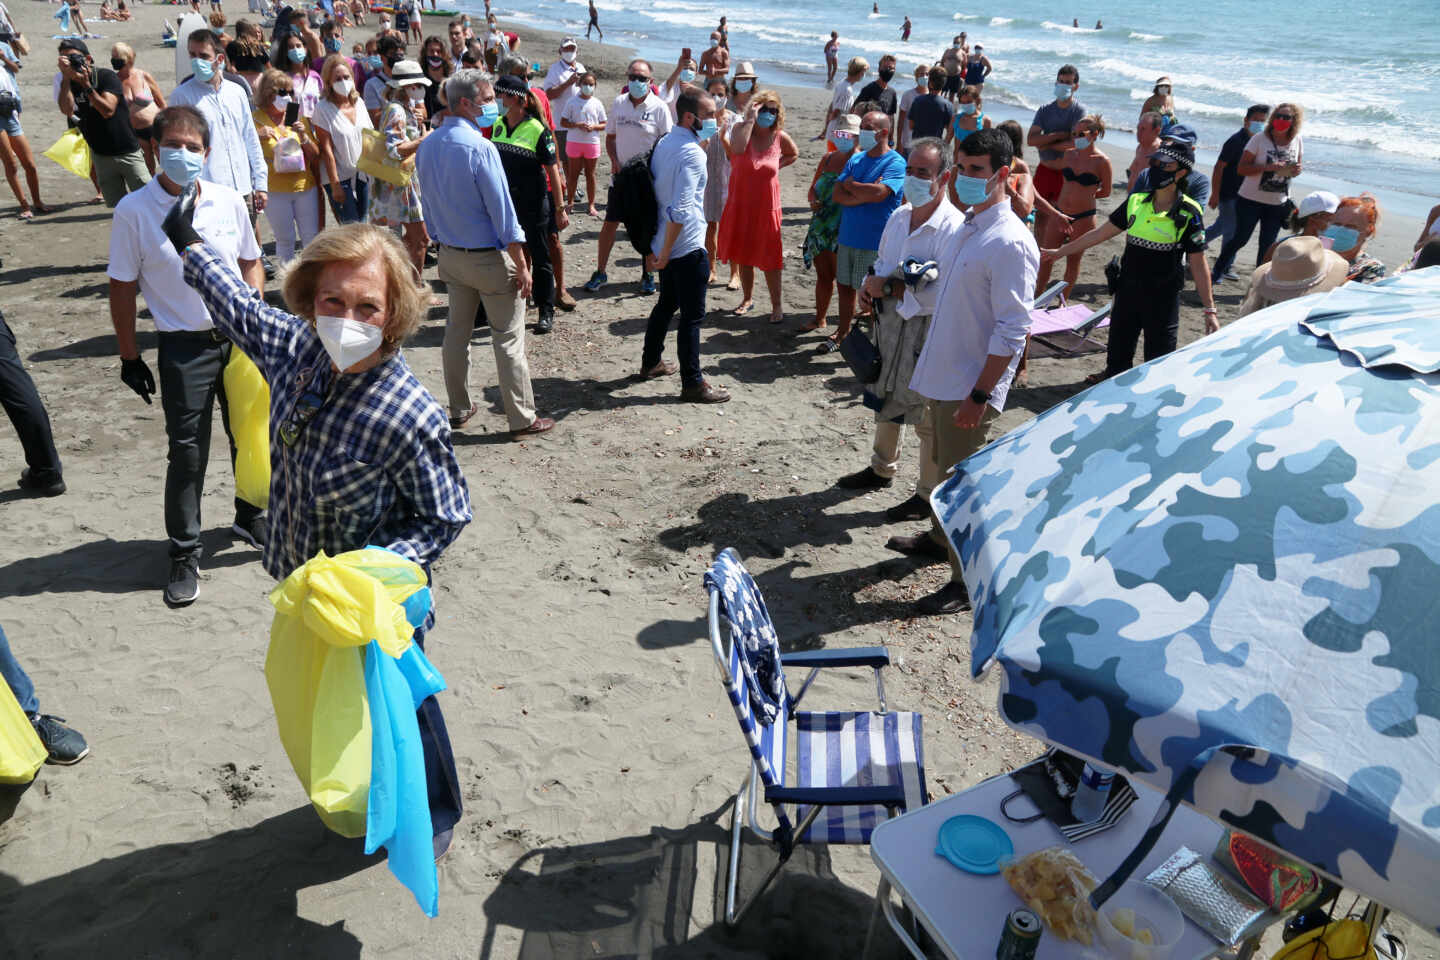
{"type": "Point", "coordinates": [852, 769]}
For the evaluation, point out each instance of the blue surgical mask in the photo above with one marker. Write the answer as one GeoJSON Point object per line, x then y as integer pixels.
{"type": "Point", "coordinates": [917, 191]}
{"type": "Point", "coordinates": [687, 75]}
{"type": "Point", "coordinates": [489, 113]}
{"type": "Point", "coordinates": [374, 62]}
{"type": "Point", "coordinates": [180, 164]}
{"type": "Point", "coordinates": [586, 89]}
{"type": "Point", "coordinates": [766, 118]}
{"type": "Point", "coordinates": [296, 54]}
{"type": "Point", "coordinates": [744, 86]}
{"type": "Point", "coordinates": [203, 69]}
{"type": "Point", "coordinates": [1063, 91]}
{"type": "Point", "coordinates": [1341, 238]}
{"type": "Point", "coordinates": [1082, 142]}
{"type": "Point", "coordinates": [968, 109]}
{"type": "Point", "coordinates": [1255, 126]}
{"type": "Point", "coordinates": [708, 128]}
{"type": "Point", "coordinates": [971, 191]}
{"type": "Point", "coordinates": [639, 89]}
{"type": "Point", "coordinates": [843, 144]}
{"type": "Point", "coordinates": [866, 140]}
{"type": "Point", "coordinates": [332, 44]}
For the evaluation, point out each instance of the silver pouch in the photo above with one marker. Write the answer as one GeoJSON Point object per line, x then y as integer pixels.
{"type": "Point", "coordinates": [1215, 904]}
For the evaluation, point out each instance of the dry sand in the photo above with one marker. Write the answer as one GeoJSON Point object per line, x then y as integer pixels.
{"type": "Point", "coordinates": [596, 748]}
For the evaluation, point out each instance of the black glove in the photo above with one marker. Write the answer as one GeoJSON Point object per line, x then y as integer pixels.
{"type": "Point", "coordinates": [136, 375]}
{"type": "Point", "coordinates": [179, 224]}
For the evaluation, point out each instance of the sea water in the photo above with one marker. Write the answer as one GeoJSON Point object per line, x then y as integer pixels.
{"type": "Point", "coordinates": [1367, 74]}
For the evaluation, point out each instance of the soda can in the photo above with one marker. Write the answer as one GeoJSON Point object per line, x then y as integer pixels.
{"type": "Point", "coordinates": [1021, 937]}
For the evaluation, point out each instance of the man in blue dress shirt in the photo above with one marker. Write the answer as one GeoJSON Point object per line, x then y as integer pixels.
{"type": "Point", "coordinates": [678, 250]}
{"type": "Point", "coordinates": [482, 251]}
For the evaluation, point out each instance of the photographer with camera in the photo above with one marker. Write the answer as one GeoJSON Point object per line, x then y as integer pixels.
{"type": "Point", "coordinates": [95, 99]}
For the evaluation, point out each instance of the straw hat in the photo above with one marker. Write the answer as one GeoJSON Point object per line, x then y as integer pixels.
{"type": "Point", "coordinates": [847, 123]}
{"type": "Point", "coordinates": [406, 73]}
{"type": "Point", "coordinates": [1300, 266]}
{"type": "Point", "coordinates": [745, 70]}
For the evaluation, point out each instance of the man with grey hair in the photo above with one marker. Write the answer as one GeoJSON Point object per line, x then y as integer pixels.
{"type": "Point", "coordinates": [469, 213]}
{"type": "Point", "coordinates": [868, 190]}
{"type": "Point", "coordinates": [903, 297]}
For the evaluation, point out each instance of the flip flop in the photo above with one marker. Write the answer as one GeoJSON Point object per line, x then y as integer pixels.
{"type": "Point", "coordinates": [744, 308]}
{"type": "Point", "coordinates": [777, 316]}
{"type": "Point", "coordinates": [27, 215]}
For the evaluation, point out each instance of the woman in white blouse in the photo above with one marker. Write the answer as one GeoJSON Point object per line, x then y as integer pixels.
{"type": "Point", "coordinates": [339, 118]}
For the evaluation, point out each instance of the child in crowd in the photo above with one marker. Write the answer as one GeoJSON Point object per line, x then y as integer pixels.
{"type": "Point", "coordinates": [584, 119]}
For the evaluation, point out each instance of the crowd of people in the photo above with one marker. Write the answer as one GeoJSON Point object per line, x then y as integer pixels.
{"type": "Point", "coordinates": [926, 223]}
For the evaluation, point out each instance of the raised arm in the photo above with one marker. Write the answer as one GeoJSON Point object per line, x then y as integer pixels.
{"type": "Point", "coordinates": [262, 331]}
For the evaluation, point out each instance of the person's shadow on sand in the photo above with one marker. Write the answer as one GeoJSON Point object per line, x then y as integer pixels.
{"type": "Point", "coordinates": [232, 895]}
{"type": "Point", "coordinates": [114, 566]}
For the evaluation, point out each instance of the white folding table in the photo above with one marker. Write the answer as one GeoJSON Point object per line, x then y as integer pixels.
{"type": "Point", "coordinates": [964, 913]}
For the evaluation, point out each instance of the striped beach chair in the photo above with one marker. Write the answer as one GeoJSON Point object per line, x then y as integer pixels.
{"type": "Point", "coordinates": [852, 769]}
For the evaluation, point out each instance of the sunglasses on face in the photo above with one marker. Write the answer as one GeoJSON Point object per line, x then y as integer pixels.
{"type": "Point", "coordinates": [639, 76]}
{"type": "Point", "coordinates": [1283, 116]}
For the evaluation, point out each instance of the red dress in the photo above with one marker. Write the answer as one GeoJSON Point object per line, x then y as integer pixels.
{"type": "Point", "coordinates": [750, 226]}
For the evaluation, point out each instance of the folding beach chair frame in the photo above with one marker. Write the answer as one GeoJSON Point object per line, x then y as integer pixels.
{"type": "Point", "coordinates": [1055, 292]}
{"type": "Point", "coordinates": [747, 798]}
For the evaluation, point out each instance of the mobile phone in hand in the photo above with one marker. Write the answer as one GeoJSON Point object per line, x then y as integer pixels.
{"type": "Point", "coordinates": [684, 53]}
{"type": "Point", "coordinates": [292, 113]}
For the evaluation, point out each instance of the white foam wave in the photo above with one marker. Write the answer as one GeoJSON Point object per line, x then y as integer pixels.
{"type": "Point", "coordinates": [1184, 106]}
{"type": "Point", "coordinates": [1146, 37]}
{"type": "Point", "coordinates": [1001, 21]}
{"type": "Point", "coordinates": [965, 16]}
{"type": "Point", "coordinates": [683, 18]}
{"type": "Point", "coordinates": [1389, 138]}
{"type": "Point", "coordinates": [1254, 91]}
{"type": "Point", "coordinates": [1067, 28]}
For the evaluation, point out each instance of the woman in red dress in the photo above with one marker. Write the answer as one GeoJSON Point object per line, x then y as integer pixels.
{"type": "Point", "coordinates": [759, 148]}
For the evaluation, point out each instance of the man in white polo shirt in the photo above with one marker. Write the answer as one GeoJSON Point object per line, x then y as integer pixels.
{"type": "Point", "coordinates": [561, 81]}
{"type": "Point", "coordinates": [638, 119]}
{"type": "Point", "coordinates": [191, 355]}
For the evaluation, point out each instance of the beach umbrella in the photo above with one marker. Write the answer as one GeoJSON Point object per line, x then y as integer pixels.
{"type": "Point", "coordinates": [1219, 573]}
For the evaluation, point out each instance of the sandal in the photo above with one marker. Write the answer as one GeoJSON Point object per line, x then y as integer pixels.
{"type": "Point", "coordinates": [27, 215]}
{"type": "Point", "coordinates": [744, 308]}
{"type": "Point", "coordinates": [777, 316]}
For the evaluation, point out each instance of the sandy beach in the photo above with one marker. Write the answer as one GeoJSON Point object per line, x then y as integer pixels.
{"type": "Point", "coordinates": [597, 751]}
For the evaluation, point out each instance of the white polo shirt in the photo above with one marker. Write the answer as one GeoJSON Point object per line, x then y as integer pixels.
{"type": "Point", "coordinates": [139, 249]}
{"type": "Point", "coordinates": [637, 128]}
{"type": "Point", "coordinates": [932, 240]}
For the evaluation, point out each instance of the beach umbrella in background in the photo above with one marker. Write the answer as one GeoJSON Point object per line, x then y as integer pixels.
{"type": "Point", "coordinates": [1219, 573]}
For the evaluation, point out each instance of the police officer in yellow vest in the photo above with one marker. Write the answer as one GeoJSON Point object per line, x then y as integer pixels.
{"type": "Point", "coordinates": [532, 168]}
{"type": "Point", "coordinates": [1162, 227]}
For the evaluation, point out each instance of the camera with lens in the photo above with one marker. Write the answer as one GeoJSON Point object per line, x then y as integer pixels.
{"type": "Point", "coordinates": [77, 62]}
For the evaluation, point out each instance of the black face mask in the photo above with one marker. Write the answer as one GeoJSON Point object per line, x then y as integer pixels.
{"type": "Point", "coordinates": [117, 64]}
{"type": "Point", "coordinates": [887, 74]}
{"type": "Point", "coordinates": [1161, 178]}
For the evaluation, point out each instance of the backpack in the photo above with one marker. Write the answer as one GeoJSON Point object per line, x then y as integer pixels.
{"type": "Point", "coordinates": [634, 195]}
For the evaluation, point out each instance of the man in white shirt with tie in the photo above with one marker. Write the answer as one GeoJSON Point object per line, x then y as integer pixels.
{"type": "Point", "coordinates": [982, 317]}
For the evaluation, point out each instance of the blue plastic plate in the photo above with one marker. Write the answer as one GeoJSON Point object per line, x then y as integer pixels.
{"type": "Point", "coordinates": [974, 844]}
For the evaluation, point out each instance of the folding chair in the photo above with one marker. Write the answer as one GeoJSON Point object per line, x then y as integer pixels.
{"type": "Point", "coordinates": [852, 767]}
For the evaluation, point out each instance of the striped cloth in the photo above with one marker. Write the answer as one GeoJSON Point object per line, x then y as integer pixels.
{"type": "Point", "coordinates": [849, 749]}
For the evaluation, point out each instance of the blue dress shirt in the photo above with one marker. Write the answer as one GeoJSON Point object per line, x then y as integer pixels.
{"type": "Point", "coordinates": [467, 201]}
{"type": "Point", "coordinates": [679, 168]}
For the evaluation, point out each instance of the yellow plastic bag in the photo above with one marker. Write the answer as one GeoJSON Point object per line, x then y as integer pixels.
{"type": "Point", "coordinates": [72, 152]}
{"type": "Point", "coordinates": [376, 161]}
{"type": "Point", "coordinates": [326, 612]}
{"type": "Point", "coordinates": [248, 397]}
{"type": "Point", "coordinates": [21, 752]}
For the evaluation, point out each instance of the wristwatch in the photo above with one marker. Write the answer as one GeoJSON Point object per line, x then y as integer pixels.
{"type": "Point", "coordinates": [979, 396]}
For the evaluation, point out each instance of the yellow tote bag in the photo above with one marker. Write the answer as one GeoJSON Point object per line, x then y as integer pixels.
{"type": "Point", "coordinates": [376, 162]}
{"type": "Point", "coordinates": [326, 613]}
{"type": "Point", "coordinates": [248, 397]}
{"type": "Point", "coordinates": [21, 752]}
{"type": "Point", "coordinates": [72, 152]}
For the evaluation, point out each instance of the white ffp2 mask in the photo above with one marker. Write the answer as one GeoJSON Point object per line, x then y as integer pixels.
{"type": "Point", "coordinates": [347, 341]}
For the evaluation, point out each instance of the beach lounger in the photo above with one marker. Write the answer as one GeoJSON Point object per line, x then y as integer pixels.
{"type": "Point", "coordinates": [1065, 331]}
{"type": "Point", "coordinates": [853, 769]}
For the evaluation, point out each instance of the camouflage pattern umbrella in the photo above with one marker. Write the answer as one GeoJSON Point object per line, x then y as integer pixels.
{"type": "Point", "coordinates": [1220, 573]}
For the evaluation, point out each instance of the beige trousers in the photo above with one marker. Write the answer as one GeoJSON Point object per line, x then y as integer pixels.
{"type": "Point", "coordinates": [890, 438]}
{"type": "Point", "coordinates": [485, 276]}
{"type": "Point", "coordinates": [953, 444]}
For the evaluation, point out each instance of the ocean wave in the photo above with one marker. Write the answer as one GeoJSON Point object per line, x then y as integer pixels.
{"type": "Point", "coordinates": [965, 16]}
{"type": "Point", "coordinates": [1146, 37]}
{"type": "Point", "coordinates": [1385, 137]}
{"type": "Point", "coordinates": [1052, 25]}
{"type": "Point", "coordinates": [1001, 21]}
{"type": "Point", "coordinates": [683, 18]}
{"type": "Point", "coordinates": [1252, 90]}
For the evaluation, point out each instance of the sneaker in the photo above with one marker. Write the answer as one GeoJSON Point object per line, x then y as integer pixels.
{"type": "Point", "coordinates": [253, 531]}
{"type": "Point", "coordinates": [647, 283]}
{"type": "Point", "coordinates": [45, 485]}
{"type": "Point", "coordinates": [545, 323]}
{"type": "Point", "coordinates": [184, 585]}
{"type": "Point", "coordinates": [866, 479]}
{"type": "Point", "coordinates": [64, 745]}
{"type": "Point", "coordinates": [1230, 275]}
{"type": "Point", "coordinates": [269, 266]}
{"type": "Point", "coordinates": [596, 281]}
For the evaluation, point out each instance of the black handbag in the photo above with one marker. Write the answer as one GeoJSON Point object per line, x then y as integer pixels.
{"type": "Point", "coordinates": [9, 103]}
{"type": "Point", "coordinates": [861, 355]}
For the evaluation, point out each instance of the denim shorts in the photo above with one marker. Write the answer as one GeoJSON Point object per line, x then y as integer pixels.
{"type": "Point", "coordinates": [853, 265]}
{"type": "Point", "coordinates": [12, 125]}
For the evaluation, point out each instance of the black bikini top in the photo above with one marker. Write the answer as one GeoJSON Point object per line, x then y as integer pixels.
{"type": "Point", "coordinates": [1084, 179]}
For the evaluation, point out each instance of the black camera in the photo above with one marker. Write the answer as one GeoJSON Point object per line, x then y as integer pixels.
{"type": "Point", "coordinates": [77, 62]}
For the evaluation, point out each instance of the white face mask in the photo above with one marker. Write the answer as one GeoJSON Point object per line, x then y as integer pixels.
{"type": "Point", "coordinates": [416, 94]}
{"type": "Point", "coordinates": [343, 87]}
{"type": "Point", "coordinates": [281, 103]}
{"type": "Point", "coordinates": [347, 341]}
{"type": "Point", "coordinates": [567, 55]}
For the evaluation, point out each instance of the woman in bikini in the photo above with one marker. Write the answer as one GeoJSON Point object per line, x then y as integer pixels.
{"type": "Point", "coordinates": [1087, 181]}
{"type": "Point", "coordinates": [142, 97]}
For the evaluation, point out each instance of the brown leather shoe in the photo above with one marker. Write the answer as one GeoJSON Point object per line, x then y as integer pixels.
{"type": "Point", "coordinates": [703, 392]}
{"type": "Point", "coordinates": [920, 545]}
{"type": "Point", "coordinates": [457, 422]}
{"type": "Point", "coordinates": [951, 598]}
{"type": "Point", "coordinates": [537, 426]}
{"type": "Point", "coordinates": [662, 369]}
{"type": "Point", "coordinates": [563, 300]}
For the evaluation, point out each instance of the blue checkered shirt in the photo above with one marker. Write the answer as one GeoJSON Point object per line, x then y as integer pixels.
{"type": "Point", "coordinates": [373, 465]}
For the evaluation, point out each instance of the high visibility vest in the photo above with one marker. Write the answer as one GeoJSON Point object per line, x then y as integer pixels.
{"type": "Point", "coordinates": [526, 136]}
{"type": "Point", "coordinates": [1159, 229]}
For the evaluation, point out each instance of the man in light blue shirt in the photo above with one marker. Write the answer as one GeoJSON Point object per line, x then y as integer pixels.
{"type": "Point", "coordinates": [235, 159]}
{"type": "Point", "coordinates": [468, 211]}
{"type": "Point", "coordinates": [678, 250]}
